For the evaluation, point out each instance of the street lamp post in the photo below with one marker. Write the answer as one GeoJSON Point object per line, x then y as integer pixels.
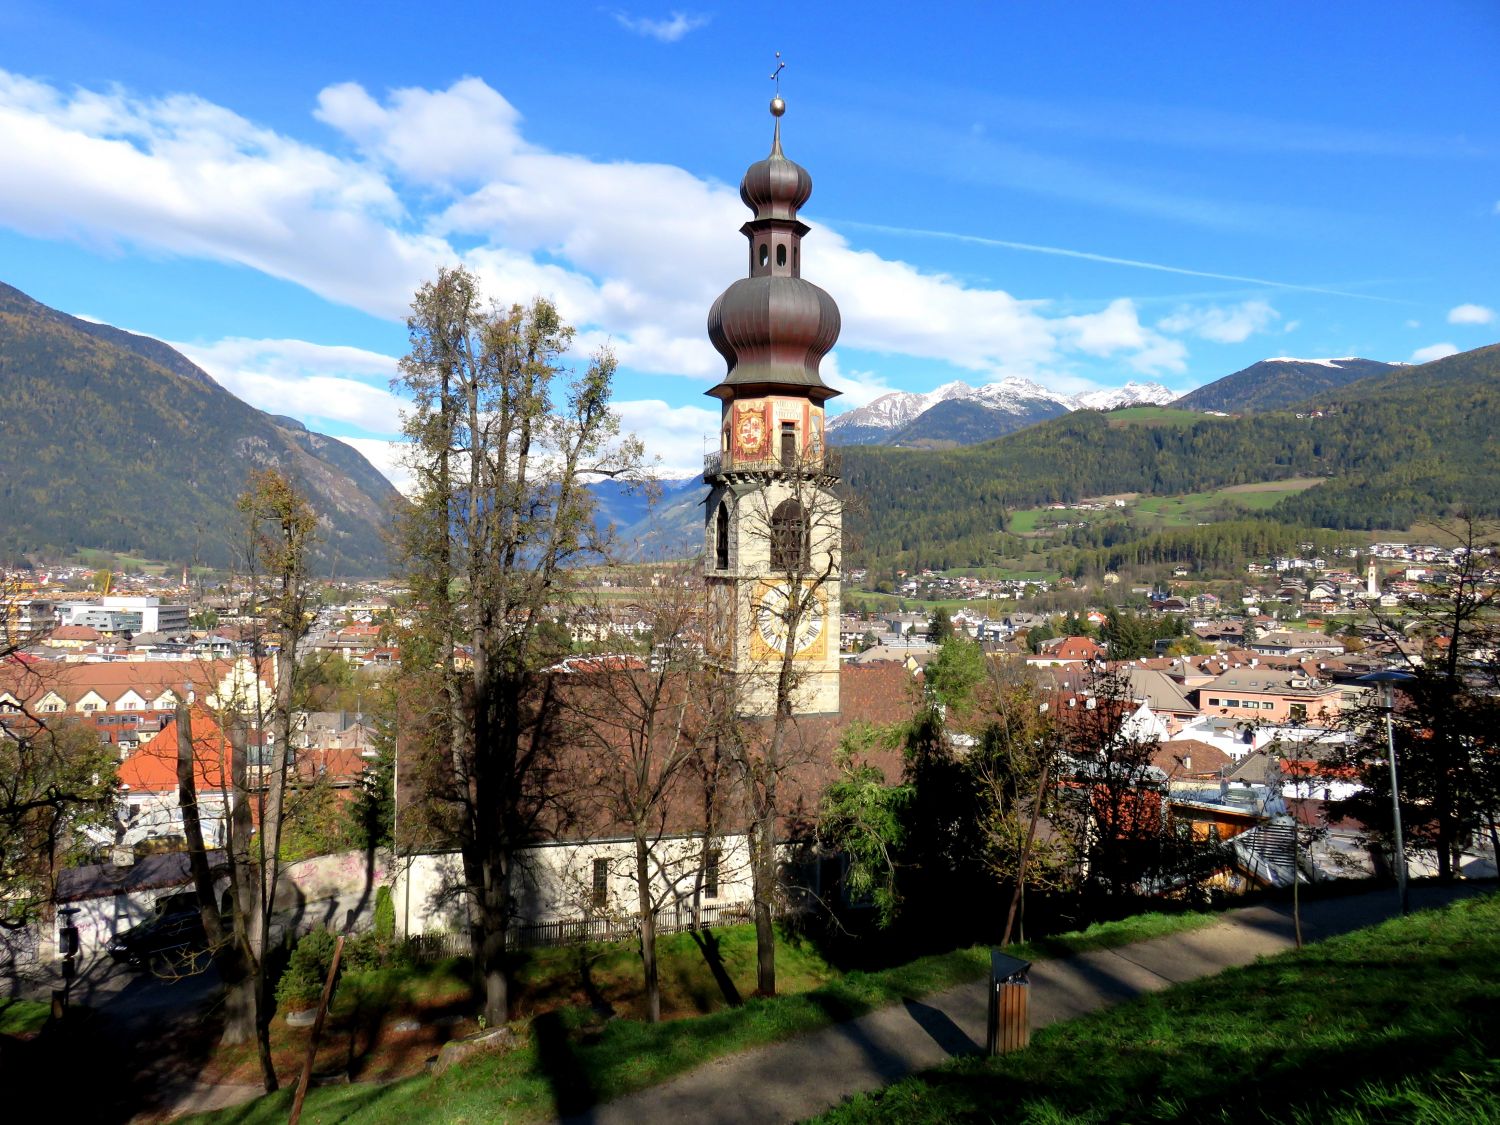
{"type": "Point", "coordinates": [67, 945]}
{"type": "Point", "coordinates": [1388, 681]}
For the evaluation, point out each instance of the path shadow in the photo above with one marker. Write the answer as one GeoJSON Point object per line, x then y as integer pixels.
{"type": "Point", "coordinates": [708, 945]}
{"type": "Point", "coordinates": [572, 1093]}
{"type": "Point", "coordinates": [883, 1061]}
{"type": "Point", "coordinates": [945, 1033]}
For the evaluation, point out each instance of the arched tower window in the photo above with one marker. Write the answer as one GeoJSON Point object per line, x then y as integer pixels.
{"type": "Point", "coordinates": [721, 537]}
{"type": "Point", "coordinates": [789, 539]}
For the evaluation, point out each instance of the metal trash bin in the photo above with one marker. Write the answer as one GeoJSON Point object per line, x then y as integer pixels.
{"type": "Point", "coordinates": [1009, 1025]}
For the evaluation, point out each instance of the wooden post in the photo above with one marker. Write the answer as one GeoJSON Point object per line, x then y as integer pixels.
{"type": "Point", "coordinates": [317, 1029]}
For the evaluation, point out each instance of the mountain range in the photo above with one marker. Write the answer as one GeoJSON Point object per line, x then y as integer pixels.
{"type": "Point", "coordinates": [118, 442]}
{"type": "Point", "coordinates": [958, 414]}
{"type": "Point", "coordinates": [1407, 444]}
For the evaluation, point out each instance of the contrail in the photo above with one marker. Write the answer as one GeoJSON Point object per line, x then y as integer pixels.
{"type": "Point", "coordinates": [1058, 251]}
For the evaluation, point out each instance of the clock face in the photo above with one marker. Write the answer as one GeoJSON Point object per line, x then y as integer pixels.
{"type": "Point", "coordinates": [773, 609]}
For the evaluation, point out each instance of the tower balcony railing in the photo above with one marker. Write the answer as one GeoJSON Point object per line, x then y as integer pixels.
{"type": "Point", "coordinates": [828, 463]}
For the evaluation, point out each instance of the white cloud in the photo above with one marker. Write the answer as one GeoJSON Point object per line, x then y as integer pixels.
{"type": "Point", "coordinates": [432, 170]}
{"type": "Point", "coordinates": [1470, 314]}
{"type": "Point", "coordinates": [1414, 324]}
{"type": "Point", "coordinates": [314, 383]}
{"type": "Point", "coordinates": [669, 30]}
{"type": "Point", "coordinates": [856, 388]}
{"type": "Point", "coordinates": [1232, 324]}
{"type": "Point", "coordinates": [1291, 326]}
{"type": "Point", "coordinates": [387, 456]}
{"type": "Point", "coordinates": [1432, 352]}
{"type": "Point", "coordinates": [1118, 329]}
{"type": "Point", "coordinates": [678, 435]}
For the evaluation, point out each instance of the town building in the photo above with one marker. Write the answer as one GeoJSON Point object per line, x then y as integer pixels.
{"type": "Point", "coordinates": [117, 614]}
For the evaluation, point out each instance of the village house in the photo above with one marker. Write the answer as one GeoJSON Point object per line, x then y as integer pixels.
{"type": "Point", "coordinates": [126, 702]}
{"type": "Point", "coordinates": [1289, 643]}
{"type": "Point", "coordinates": [1267, 696]}
{"type": "Point", "coordinates": [1066, 650]}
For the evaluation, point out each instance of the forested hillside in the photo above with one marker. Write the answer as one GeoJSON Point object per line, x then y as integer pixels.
{"type": "Point", "coordinates": [1273, 384]}
{"type": "Point", "coordinates": [115, 441]}
{"type": "Point", "coordinates": [1414, 444]}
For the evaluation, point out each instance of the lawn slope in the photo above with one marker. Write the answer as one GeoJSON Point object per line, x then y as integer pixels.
{"type": "Point", "coordinates": [1400, 1022]}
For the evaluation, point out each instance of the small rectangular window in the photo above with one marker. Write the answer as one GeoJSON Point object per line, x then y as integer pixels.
{"type": "Point", "coordinates": [788, 444]}
{"type": "Point", "coordinates": [711, 875]}
{"type": "Point", "coordinates": [600, 897]}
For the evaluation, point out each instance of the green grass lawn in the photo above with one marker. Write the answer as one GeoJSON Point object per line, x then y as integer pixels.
{"type": "Point", "coordinates": [1190, 508]}
{"type": "Point", "coordinates": [569, 1059]}
{"type": "Point", "coordinates": [1400, 1022]}
{"type": "Point", "coordinates": [17, 1017]}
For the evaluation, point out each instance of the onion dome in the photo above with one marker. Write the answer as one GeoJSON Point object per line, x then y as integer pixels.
{"type": "Point", "coordinates": [775, 187]}
{"type": "Point", "coordinates": [772, 327]}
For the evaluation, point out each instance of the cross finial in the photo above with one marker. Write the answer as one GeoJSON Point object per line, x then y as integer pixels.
{"type": "Point", "coordinates": [776, 74]}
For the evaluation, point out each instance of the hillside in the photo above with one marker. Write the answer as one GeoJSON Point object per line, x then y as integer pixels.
{"type": "Point", "coordinates": [115, 441]}
{"type": "Point", "coordinates": [966, 422]}
{"type": "Point", "coordinates": [671, 528]}
{"type": "Point", "coordinates": [1273, 384]}
{"type": "Point", "coordinates": [1393, 1023]}
{"type": "Point", "coordinates": [1412, 444]}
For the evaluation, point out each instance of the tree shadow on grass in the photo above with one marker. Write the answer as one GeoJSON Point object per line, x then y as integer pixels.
{"type": "Point", "coordinates": [584, 960]}
{"type": "Point", "coordinates": [708, 945]}
{"type": "Point", "coordinates": [573, 1093]}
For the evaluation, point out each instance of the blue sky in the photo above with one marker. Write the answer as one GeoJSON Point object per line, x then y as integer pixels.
{"type": "Point", "coordinates": [1078, 194]}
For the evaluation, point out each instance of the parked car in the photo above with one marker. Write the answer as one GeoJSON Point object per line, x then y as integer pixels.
{"type": "Point", "coordinates": [175, 926]}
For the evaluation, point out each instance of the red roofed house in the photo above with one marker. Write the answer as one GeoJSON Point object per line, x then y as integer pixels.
{"type": "Point", "coordinates": [1066, 650]}
{"type": "Point", "coordinates": [149, 805]}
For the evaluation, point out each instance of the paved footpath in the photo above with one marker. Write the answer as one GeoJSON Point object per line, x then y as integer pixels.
{"type": "Point", "coordinates": [802, 1077]}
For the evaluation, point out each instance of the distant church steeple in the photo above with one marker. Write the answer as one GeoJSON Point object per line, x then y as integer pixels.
{"type": "Point", "coordinates": [773, 522]}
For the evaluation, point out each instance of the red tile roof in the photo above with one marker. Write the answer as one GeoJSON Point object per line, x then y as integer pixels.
{"type": "Point", "coordinates": [153, 767]}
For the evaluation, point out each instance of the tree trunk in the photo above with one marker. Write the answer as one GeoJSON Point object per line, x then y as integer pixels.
{"type": "Point", "coordinates": [763, 889]}
{"type": "Point", "coordinates": [272, 816]}
{"type": "Point", "coordinates": [239, 994]}
{"type": "Point", "coordinates": [1025, 861]}
{"type": "Point", "coordinates": [192, 830]}
{"type": "Point", "coordinates": [228, 954]}
{"type": "Point", "coordinates": [648, 930]}
{"type": "Point", "coordinates": [495, 917]}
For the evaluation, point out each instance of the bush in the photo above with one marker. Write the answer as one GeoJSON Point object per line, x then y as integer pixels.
{"type": "Point", "coordinates": [301, 985]}
{"type": "Point", "coordinates": [364, 953]}
{"type": "Point", "coordinates": [385, 915]}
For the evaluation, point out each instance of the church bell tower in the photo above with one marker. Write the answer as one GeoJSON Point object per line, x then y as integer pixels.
{"type": "Point", "coordinates": [772, 520]}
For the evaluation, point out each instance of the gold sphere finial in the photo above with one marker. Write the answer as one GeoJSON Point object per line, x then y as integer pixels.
{"type": "Point", "coordinates": [778, 107]}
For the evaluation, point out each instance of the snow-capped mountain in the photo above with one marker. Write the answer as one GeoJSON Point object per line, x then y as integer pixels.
{"type": "Point", "coordinates": [1131, 394]}
{"type": "Point", "coordinates": [987, 411]}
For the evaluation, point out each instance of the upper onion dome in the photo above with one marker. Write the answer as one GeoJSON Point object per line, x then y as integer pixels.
{"type": "Point", "coordinates": [772, 327]}
{"type": "Point", "coordinates": [775, 187]}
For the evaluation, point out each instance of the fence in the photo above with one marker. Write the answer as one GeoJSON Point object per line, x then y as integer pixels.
{"type": "Point", "coordinates": [575, 931]}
